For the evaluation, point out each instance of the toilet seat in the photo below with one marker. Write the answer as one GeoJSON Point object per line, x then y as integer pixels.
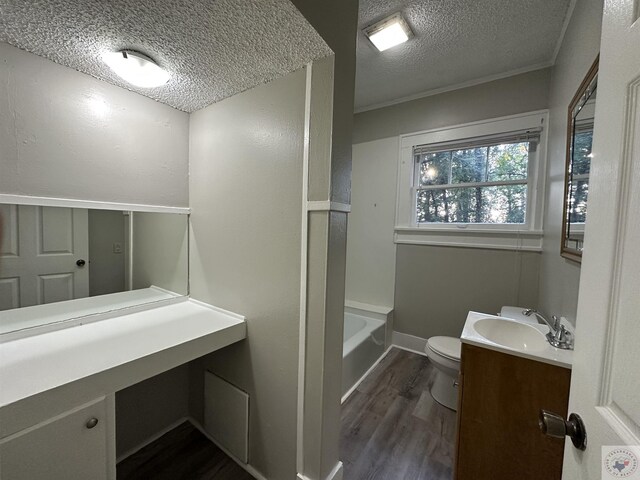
{"type": "Point", "coordinates": [447, 347]}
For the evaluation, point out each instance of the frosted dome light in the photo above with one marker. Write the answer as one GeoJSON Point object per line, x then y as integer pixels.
{"type": "Point", "coordinates": [136, 68]}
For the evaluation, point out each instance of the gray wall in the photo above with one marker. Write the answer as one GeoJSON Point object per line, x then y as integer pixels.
{"type": "Point", "coordinates": [148, 407]}
{"type": "Point", "coordinates": [560, 278]}
{"type": "Point", "coordinates": [106, 270]}
{"type": "Point", "coordinates": [435, 287]}
{"type": "Point", "coordinates": [65, 134]}
{"type": "Point", "coordinates": [336, 21]}
{"type": "Point", "coordinates": [160, 251]}
{"type": "Point", "coordinates": [246, 199]}
{"type": "Point", "coordinates": [508, 96]}
{"type": "Point", "coordinates": [330, 138]}
{"type": "Point", "coordinates": [371, 253]}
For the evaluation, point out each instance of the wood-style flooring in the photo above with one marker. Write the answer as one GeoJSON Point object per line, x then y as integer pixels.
{"type": "Point", "coordinates": [184, 453]}
{"type": "Point", "coordinates": [392, 429]}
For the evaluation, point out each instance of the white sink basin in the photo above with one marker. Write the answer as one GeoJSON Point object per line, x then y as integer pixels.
{"type": "Point", "coordinates": [514, 337]}
{"type": "Point", "coordinates": [518, 336]}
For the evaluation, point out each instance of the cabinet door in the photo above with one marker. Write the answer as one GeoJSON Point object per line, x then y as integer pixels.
{"type": "Point", "coordinates": [67, 447]}
{"type": "Point", "coordinates": [498, 433]}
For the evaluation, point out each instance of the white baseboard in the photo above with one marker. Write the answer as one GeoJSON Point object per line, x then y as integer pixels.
{"type": "Point", "coordinates": [409, 342]}
{"type": "Point", "coordinates": [251, 470]}
{"type": "Point", "coordinates": [357, 384]}
{"type": "Point", "coordinates": [335, 474]}
{"type": "Point", "coordinates": [151, 439]}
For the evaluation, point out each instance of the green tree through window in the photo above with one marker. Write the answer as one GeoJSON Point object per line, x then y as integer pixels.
{"type": "Point", "coordinates": [486, 184]}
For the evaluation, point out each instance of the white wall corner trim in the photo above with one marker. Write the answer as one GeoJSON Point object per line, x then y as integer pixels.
{"type": "Point", "coordinates": [409, 342]}
{"type": "Point", "coordinates": [335, 474]}
{"type": "Point", "coordinates": [90, 204]}
{"type": "Point", "coordinates": [304, 240]}
{"type": "Point", "coordinates": [326, 206]}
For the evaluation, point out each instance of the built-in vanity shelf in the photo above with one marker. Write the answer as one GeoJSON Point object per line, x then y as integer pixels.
{"type": "Point", "coordinates": [500, 397]}
{"type": "Point", "coordinates": [57, 388]}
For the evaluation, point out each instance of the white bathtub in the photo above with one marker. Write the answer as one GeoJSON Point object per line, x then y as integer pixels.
{"type": "Point", "coordinates": [364, 343]}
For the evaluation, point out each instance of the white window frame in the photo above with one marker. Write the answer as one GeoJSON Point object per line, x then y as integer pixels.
{"type": "Point", "coordinates": [527, 236]}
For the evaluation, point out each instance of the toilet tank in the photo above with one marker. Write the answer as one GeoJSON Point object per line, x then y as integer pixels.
{"type": "Point", "coordinates": [516, 314]}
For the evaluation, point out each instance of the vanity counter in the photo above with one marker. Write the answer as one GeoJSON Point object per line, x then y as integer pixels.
{"type": "Point", "coordinates": [52, 370]}
{"type": "Point", "coordinates": [519, 347]}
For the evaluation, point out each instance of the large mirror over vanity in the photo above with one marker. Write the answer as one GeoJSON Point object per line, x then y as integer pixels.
{"type": "Point", "coordinates": [59, 263]}
{"type": "Point", "coordinates": [580, 123]}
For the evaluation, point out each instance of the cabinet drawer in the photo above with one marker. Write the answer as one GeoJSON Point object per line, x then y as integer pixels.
{"type": "Point", "coordinates": [67, 447]}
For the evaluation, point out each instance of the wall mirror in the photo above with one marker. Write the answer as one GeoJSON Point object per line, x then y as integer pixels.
{"type": "Point", "coordinates": [60, 263]}
{"type": "Point", "coordinates": [579, 140]}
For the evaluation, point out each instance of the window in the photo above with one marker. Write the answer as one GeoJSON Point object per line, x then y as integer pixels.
{"type": "Point", "coordinates": [481, 182]}
{"type": "Point", "coordinates": [477, 185]}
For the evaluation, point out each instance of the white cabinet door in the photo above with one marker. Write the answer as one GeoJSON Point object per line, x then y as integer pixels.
{"type": "Point", "coordinates": [39, 251]}
{"type": "Point", "coordinates": [67, 447]}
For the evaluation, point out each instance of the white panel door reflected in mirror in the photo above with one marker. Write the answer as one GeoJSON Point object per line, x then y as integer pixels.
{"type": "Point", "coordinates": [58, 255]}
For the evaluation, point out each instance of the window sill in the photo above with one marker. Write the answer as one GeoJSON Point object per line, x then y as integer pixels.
{"type": "Point", "coordinates": [471, 237]}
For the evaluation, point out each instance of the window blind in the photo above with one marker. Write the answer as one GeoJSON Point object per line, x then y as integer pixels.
{"type": "Point", "coordinates": [529, 135]}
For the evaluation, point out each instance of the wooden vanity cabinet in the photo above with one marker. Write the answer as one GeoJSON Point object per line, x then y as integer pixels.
{"type": "Point", "coordinates": [500, 397]}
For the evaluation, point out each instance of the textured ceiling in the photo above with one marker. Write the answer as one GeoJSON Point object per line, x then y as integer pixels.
{"type": "Point", "coordinates": [213, 49]}
{"type": "Point", "coordinates": [456, 42]}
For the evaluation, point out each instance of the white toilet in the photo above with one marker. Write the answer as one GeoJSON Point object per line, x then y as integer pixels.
{"type": "Point", "coordinates": [444, 354]}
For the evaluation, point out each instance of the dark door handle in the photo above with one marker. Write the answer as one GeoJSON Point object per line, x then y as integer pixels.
{"type": "Point", "coordinates": [81, 263]}
{"type": "Point", "coordinates": [555, 426]}
{"type": "Point", "coordinates": [92, 422]}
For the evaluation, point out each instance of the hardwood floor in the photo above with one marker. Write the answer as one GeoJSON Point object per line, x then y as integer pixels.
{"type": "Point", "coordinates": [184, 453]}
{"type": "Point", "coordinates": [392, 429]}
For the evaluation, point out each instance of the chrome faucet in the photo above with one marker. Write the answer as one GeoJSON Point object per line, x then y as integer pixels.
{"type": "Point", "coordinates": [558, 335]}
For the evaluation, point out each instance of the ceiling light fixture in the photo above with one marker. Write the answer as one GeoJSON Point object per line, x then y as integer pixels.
{"type": "Point", "coordinates": [388, 32]}
{"type": "Point", "coordinates": [136, 68]}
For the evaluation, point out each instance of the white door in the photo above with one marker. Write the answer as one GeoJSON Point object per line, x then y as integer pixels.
{"type": "Point", "coordinates": [605, 384]}
{"type": "Point", "coordinates": [42, 255]}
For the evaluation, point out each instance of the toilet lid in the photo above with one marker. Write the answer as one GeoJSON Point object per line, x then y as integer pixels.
{"type": "Point", "coordinates": [446, 346]}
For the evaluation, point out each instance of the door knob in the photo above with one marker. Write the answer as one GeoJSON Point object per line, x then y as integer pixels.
{"type": "Point", "coordinates": [81, 263]}
{"type": "Point", "coordinates": [92, 422]}
{"type": "Point", "coordinates": [555, 426]}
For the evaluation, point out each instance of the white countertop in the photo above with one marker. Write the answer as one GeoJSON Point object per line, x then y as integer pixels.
{"type": "Point", "coordinates": [39, 363]}
{"type": "Point", "coordinates": [551, 355]}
